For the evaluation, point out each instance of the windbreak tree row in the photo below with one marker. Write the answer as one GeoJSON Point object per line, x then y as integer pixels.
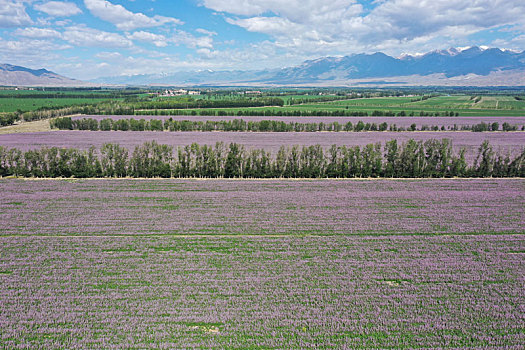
{"type": "Point", "coordinates": [185, 103]}
{"type": "Point", "coordinates": [66, 123]}
{"type": "Point", "coordinates": [413, 159]}
{"type": "Point", "coordinates": [282, 112]}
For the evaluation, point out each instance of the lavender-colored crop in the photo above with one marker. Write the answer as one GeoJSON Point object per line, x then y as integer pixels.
{"type": "Point", "coordinates": [112, 206]}
{"type": "Point", "coordinates": [276, 264]}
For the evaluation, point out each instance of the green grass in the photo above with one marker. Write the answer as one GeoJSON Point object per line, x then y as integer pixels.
{"type": "Point", "coordinates": [29, 100]}
{"type": "Point", "coordinates": [465, 105]}
{"type": "Point", "coordinates": [31, 104]}
{"type": "Point", "coordinates": [461, 103]}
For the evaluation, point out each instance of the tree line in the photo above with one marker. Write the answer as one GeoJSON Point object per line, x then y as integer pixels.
{"type": "Point", "coordinates": [108, 124]}
{"type": "Point", "coordinates": [346, 112]}
{"type": "Point", "coordinates": [298, 100]}
{"type": "Point", "coordinates": [412, 159]}
{"type": "Point", "coordinates": [8, 118]}
{"type": "Point", "coordinates": [186, 103]}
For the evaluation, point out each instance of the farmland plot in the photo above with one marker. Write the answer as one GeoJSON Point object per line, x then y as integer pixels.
{"type": "Point", "coordinates": [188, 207]}
{"type": "Point", "coordinates": [274, 264]}
{"type": "Point", "coordinates": [262, 292]}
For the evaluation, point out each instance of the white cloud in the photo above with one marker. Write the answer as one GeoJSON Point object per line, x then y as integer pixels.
{"type": "Point", "coordinates": [274, 26]}
{"type": "Point", "coordinates": [307, 27]}
{"type": "Point", "coordinates": [22, 52]}
{"type": "Point", "coordinates": [109, 55]}
{"type": "Point", "coordinates": [300, 11]}
{"type": "Point", "coordinates": [37, 33]}
{"type": "Point", "coordinates": [179, 37]}
{"type": "Point", "coordinates": [63, 23]}
{"type": "Point", "coordinates": [516, 44]}
{"type": "Point", "coordinates": [203, 41]}
{"type": "Point", "coordinates": [13, 14]}
{"type": "Point", "coordinates": [124, 19]}
{"type": "Point", "coordinates": [155, 39]}
{"type": "Point", "coordinates": [88, 37]}
{"type": "Point", "coordinates": [30, 46]}
{"type": "Point", "coordinates": [408, 19]}
{"type": "Point", "coordinates": [58, 8]}
{"type": "Point", "coordinates": [184, 38]}
{"type": "Point", "coordinates": [237, 7]}
{"type": "Point", "coordinates": [205, 32]}
{"type": "Point", "coordinates": [207, 53]}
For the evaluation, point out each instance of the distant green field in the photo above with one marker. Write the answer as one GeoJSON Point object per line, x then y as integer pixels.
{"type": "Point", "coordinates": [29, 100]}
{"type": "Point", "coordinates": [465, 105]}
{"type": "Point", "coordinates": [65, 92]}
{"type": "Point", "coordinates": [31, 104]}
{"type": "Point", "coordinates": [462, 104]}
{"type": "Point", "coordinates": [439, 102]}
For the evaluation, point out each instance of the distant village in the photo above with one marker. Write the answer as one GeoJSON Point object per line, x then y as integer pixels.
{"type": "Point", "coordinates": [179, 92]}
{"type": "Point", "coordinates": [182, 92]}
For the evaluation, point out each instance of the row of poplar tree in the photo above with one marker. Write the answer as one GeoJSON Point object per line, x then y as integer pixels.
{"type": "Point", "coordinates": [413, 159]}
{"type": "Point", "coordinates": [108, 124]}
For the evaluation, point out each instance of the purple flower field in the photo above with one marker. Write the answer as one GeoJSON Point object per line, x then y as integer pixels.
{"type": "Point", "coordinates": [399, 121]}
{"type": "Point", "coordinates": [275, 264]}
{"type": "Point", "coordinates": [272, 292]}
{"type": "Point", "coordinates": [505, 141]}
{"type": "Point", "coordinates": [275, 207]}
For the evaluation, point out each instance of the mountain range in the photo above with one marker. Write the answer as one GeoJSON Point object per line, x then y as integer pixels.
{"type": "Point", "coordinates": [473, 66]}
{"type": "Point", "coordinates": [468, 67]}
{"type": "Point", "coordinates": [11, 75]}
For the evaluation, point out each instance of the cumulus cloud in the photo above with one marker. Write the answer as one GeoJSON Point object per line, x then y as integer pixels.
{"type": "Point", "coordinates": [109, 55]}
{"type": "Point", "coordinates": [37, 33]}
{"type": "Point", "coordinates": [83, 36]}
{"type": "Point", "coordinates": [13, 14]}
{"type": "Point", "coordinates": [22, 51]}
{"type": "Point", "coordinates": [205, 31]}
{"type": "Point", "coordinates": [178, 37]}
{"type": "Point", "coordinates": [408, 19]}
{"type": "Point", "coordinates": [318, 26]}
{"type": "Point", "coordinates": [156, 39]}
{"type": "Point", "coordinates": [124, 19]}
{"type": "Point", "coordinates": [29, 46]}
{"type": "Point", "coordinates": [181, 37]}
{"type": "Point", "coordinates": [58, 8]}
{"type": "Point", "coordinates": [300, 11]}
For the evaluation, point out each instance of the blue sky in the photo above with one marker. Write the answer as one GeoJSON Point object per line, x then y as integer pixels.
{"type": "Point", "coordinates": [86, 39]}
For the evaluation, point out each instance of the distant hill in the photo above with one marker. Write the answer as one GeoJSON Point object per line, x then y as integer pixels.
{"type": "Point", "coordinates": [468, 67]}
{"type": "Point", "coordinates": [21, 76]}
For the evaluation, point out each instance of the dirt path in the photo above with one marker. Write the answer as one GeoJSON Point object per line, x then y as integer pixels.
{"type": "Point", "coordinates": [36, 126]}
